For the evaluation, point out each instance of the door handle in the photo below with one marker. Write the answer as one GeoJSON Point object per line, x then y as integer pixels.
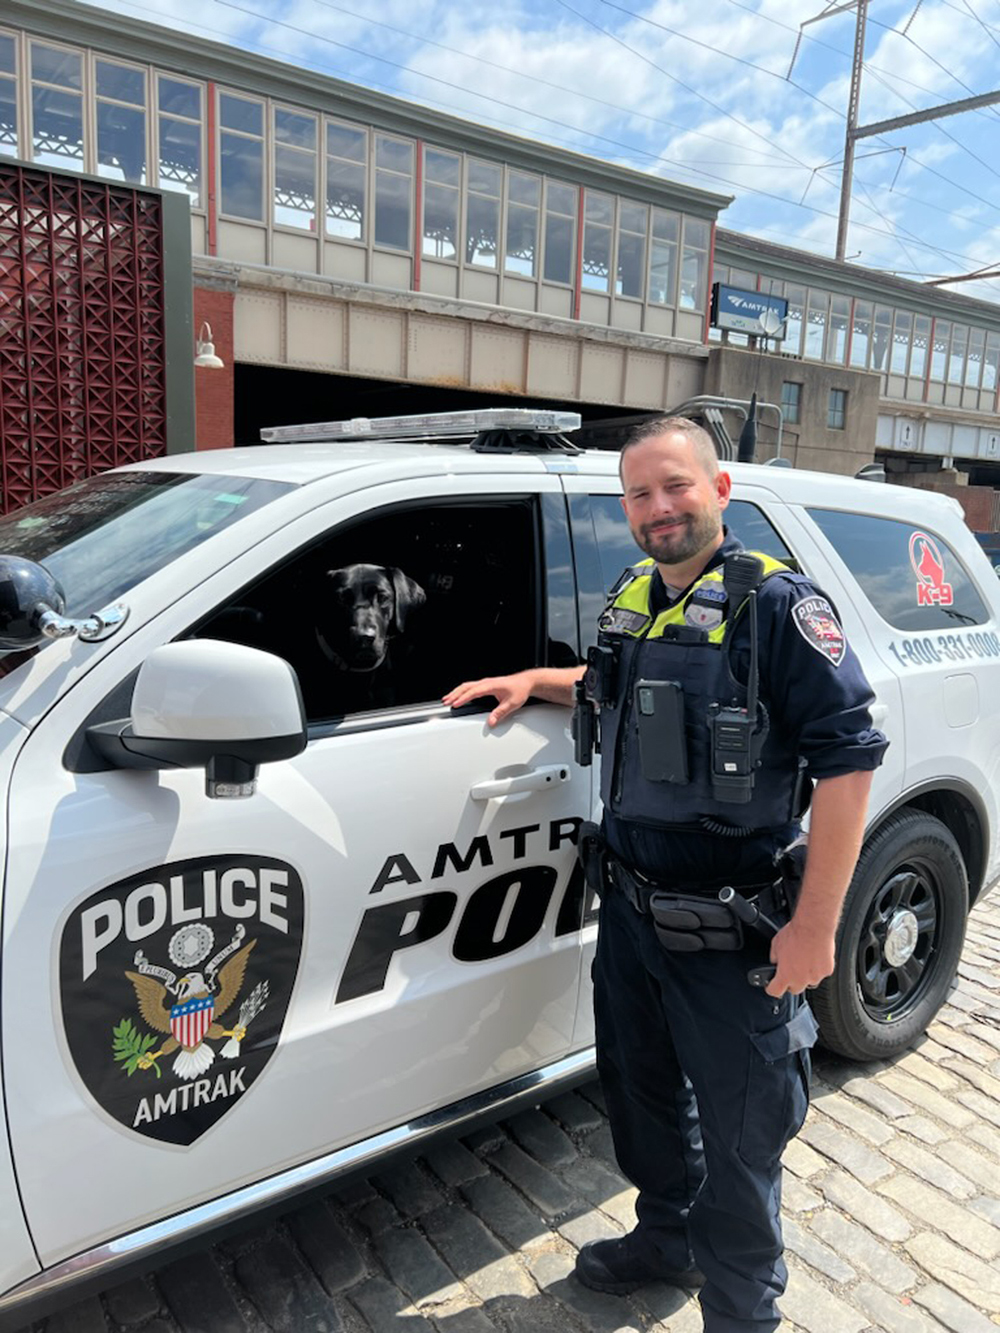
{"type": "Point", "coordinates": [879, 713]}
{"type": "Point", "coordinates": [537, 779]}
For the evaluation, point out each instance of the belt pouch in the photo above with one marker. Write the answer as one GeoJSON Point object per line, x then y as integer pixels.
{"type": "Point", "coordinates": [688, 924]}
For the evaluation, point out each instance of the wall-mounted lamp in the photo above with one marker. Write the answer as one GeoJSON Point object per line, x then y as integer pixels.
{"type": "Point", "coordinates": [205, 349]}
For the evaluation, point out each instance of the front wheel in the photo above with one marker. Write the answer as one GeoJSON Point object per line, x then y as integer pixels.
{"type": "Point", "coordinates": [899, 940]}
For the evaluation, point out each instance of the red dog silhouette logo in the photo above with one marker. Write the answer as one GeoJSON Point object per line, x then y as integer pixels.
{"type": "Point", "coordinates": [925, 557]}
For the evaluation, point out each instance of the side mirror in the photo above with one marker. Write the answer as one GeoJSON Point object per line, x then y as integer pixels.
{"type": "Point", "coordinates": [202, 702]}
{"type": "Point", "coordinates": [29, 596]}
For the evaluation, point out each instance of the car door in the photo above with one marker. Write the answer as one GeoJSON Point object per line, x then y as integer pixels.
{"type": "Point", "coordinates": [198, 993]}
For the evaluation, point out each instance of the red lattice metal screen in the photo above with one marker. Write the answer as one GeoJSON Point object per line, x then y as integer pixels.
{"type": "Point", "coordinates": [82, 350]}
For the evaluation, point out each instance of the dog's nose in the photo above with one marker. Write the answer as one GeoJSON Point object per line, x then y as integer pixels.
{"type": "Point", "coordinates": [366, 633]}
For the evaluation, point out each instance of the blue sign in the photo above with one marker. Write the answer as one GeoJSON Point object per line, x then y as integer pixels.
{"type": "Point", "coordinates": [746, 312]}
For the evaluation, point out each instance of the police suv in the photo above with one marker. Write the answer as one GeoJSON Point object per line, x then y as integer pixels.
{"type": "Point", "coordinates": [272, 912]}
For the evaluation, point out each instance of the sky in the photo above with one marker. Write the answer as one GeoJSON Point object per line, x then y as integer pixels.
{"type": "Point", "coordinates": [720, 94]}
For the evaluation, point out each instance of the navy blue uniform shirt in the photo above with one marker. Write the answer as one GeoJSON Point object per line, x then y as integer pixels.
{"type": "Point", "coordinates": [822, 702]}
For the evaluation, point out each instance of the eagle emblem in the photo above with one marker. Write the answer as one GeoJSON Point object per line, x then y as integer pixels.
{"type": "Point", "coordinates": [184, 1008]}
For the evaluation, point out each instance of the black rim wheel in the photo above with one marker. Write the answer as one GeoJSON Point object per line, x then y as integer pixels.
{"type": "Point", "coordinates": [897, 943]}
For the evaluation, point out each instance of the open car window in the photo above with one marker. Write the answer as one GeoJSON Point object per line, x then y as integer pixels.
{"type": "Point", "coordinates": [396, 608]}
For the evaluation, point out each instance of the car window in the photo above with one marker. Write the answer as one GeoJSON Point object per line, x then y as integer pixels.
{"type": "Point", "coordinates": [397, 608]}
{"type": "Point", "coordinates": [910, 575]}
{"type": "Point", "coordinates": [617, 551]}
{"type": "Point", "coordinates": [104, 535]}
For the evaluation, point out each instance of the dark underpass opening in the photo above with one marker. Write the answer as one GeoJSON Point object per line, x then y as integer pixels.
{"type": "Point", "coordinates": [268, 396]}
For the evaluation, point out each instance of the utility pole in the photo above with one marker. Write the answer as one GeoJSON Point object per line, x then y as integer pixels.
{"type": "Point", "coordinates": [855, 131]}
{"type": "Point", "coordinates": [853, 106]}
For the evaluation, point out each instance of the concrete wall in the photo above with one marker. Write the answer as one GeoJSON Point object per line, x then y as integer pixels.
{"type": "Point", "coordinates": [298, 322]}
{"type": "Point", "coordinates": [734, 372]}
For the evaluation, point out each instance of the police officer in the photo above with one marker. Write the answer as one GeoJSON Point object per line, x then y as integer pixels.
{"type": "Point", "coordinates": [726, 692]}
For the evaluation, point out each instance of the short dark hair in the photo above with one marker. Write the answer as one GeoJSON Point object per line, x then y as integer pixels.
{"type": "Point", "coordinates": [702, 443]}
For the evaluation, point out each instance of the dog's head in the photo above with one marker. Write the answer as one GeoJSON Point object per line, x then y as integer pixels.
{"type": "Point", "coordinates": [364, 606]}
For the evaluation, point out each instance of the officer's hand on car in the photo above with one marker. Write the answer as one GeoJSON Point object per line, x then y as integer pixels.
{"type": "Point", "coordinates": [510, 692]}
{"type": "Point", "coordinates": [803, 954]}
{"type": "Point", "coordinates": [553, 684]}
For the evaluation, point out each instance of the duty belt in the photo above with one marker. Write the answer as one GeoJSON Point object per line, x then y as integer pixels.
{"type": "Point", "coordinates": [769, 896]}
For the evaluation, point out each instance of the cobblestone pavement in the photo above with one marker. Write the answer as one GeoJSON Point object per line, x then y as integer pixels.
{"type": "Point", "coordinates": [892, 1208]}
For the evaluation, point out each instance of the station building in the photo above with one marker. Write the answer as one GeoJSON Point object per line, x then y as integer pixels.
{"type": "Point", "coordinates": [357, 255]}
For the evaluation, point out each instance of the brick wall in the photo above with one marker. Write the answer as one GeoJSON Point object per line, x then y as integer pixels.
{"type": "Point", "coordinates": [213, 389]}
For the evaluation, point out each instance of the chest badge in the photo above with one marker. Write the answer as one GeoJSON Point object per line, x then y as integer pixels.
{"type": "Point", "coordinates": [706, 608]}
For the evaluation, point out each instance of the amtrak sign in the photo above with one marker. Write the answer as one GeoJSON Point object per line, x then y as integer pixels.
{"type": "Point", "coordinates": [746, 312]}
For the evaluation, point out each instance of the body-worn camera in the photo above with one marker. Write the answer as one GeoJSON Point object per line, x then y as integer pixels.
{"type": "Point", "coordinates": [599, 678]}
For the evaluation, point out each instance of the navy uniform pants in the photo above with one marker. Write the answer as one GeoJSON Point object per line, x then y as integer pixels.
{"type": "Point", "coordinates": [706, 1079]}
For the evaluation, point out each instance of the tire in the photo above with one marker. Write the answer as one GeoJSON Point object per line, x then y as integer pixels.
{"type": "Point", "coordinates": [910, 877]}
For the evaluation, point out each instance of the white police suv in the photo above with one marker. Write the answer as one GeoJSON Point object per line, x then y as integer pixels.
{"type": "Point", "coordinates": [271, 911]}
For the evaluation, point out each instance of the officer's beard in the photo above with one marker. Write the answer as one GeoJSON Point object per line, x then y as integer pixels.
{"type": "Point", "coordinates": [679, 539]}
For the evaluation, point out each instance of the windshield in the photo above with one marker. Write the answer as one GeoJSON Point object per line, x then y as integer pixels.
{"type": "Point", "coordinates": [104, 535]}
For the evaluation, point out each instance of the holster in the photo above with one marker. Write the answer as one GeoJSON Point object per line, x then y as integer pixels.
{"type": "Point", "coordinates": [591, 850]}
{"type": "Point", "coordinates": [791, 865]}
{"type": "Point", "coordinates": [688, 924]}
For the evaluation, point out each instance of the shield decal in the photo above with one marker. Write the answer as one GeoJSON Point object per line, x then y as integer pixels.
{"type": "Point", "coordinates": [189, 1022]}
{"type": "Point", "coordinates": [174, 986]}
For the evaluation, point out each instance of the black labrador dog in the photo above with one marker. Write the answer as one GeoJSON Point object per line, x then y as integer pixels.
{"type": "Point", "coordinates": [365, 612]}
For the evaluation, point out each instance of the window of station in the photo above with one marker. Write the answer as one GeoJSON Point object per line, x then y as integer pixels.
{"type": "Point", "coordinates": [694, 264]}
{"type": "Point", "coordinates": [663, 257]}
{"type": "Point", "coordinates": [393, 192]}
{"type": "Point", "coordinates": [991, 362]}
{"type": "Point", "coordinates": [861, 334]}
{"type": "Point", "coordinates": [56, 107]}
{"type": "Point", "coordinates": [482, 225]}
{"type": "Point", "coordinates": [241, 156]}
{"type": "Point", "coordinates": [836, 333]}
{"type": "Point", "coordinates": [179, 136]}
{"type": "Point", "coordinates": [939, 350]}
{"type": "Point", "coordinates": [974, 359]}
{"type": "Point", "coordinates": [442, 196]}
{"type": "Point", "coordinates": [791, 344]}
{"type": "Point", "coordinates": [598, 224]}
{"type": "Point", "coordinates": [632, 224]}
{"type": "Point", "coordinates": [346, 181]}
{"type": "Point", "coordinates": [899, 355]}
{"type": "Point", "coordinates": [881, 337]}
{"type": "Point", "coordinates": [791, 402]}
{"type": "Point", "coordinates": [956, 358]}
{"type": "Point", "coordinates": [294, 202]}
{"type": "Point", "coordinates": [8, 95]}
{"type": "Point", "coordinates": [918, 349]}
{"type": "Point", "coordinates": [524, 195]}
{"type": "Point", "coordinates": [121, 121]}
{"type": "Point", "coordinates": [560, 232]}
{"type": "Point", "coordinates": [836, 412]}
{"type": "Point", "coordinates": [817, 314]}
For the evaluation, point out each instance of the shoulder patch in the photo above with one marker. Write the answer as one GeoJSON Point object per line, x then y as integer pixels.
{"type": "Point", "coordinates": [816, 621]}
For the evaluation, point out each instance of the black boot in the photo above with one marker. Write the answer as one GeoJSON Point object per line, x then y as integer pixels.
{"type": "Point", "coordinates": [618, 1266]}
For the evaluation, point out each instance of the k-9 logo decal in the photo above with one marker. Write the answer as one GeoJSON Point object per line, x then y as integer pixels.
{"type": "Point", "coordinates": [175, 984]}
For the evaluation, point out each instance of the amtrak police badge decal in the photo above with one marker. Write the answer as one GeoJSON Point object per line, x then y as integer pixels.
{"type": "Point", "coordinates": [175, 983]}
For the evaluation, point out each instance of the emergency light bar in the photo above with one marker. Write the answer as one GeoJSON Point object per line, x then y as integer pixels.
{"type": "Point", "coordinates": [428, 425]}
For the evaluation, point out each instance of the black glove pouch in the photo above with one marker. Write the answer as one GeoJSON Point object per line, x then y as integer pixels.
{"type": "Point", "coordinates": [688, 924]}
